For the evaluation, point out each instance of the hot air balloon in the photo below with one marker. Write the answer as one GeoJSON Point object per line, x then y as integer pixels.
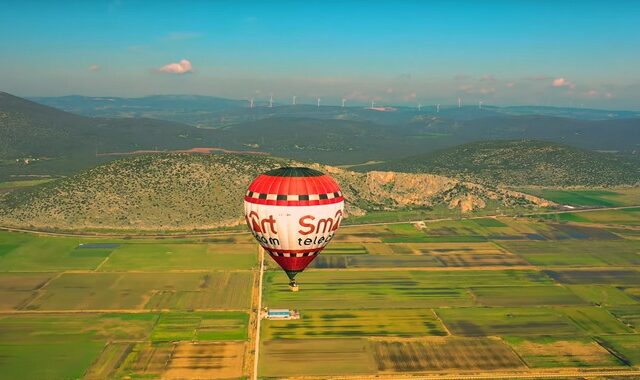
{"type": "Point", "coordinates": [293, 213]}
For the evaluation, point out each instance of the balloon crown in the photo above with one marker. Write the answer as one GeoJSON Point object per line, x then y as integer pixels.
{"type": "Point", "coordinates": [294, 171]}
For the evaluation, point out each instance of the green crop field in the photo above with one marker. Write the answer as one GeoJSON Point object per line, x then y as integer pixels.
{"type": "Point", "coordinates": [525, 296]}
{"type": "Point", "coordinates": [627, 346]}
{"type": "Point", "coordinates": [549, 316]}
{"type": "Point", "coordinates": [87, 301]}
{"type": "Point", "coordinates": [389, 289]}
{"type": "Point", "coordinates": [506, 321]}
{"type": "Point", "coordinates": [41, 254]}
{"type": "Point", "coordinates": [603, 275]}
{"type": "Point", "coordinates": [380, 300]}
{"type": "Point", "coordinates": [595, 320]}
{"type": "Point", "coordinates": [609, 197]}
{"type": "Point", "coordinates": [609, 218]}
{"type": "Point", "coordinates": [64, 346]}
{"type": "Point", "coordinates": [200, 326]}
{"type": "Point", "coordinates": [628, 314]}
{"type": "Point", "coordinates": [577, 252]}
{"type": "Point", "coordinates": [356, 323]}
{"type": "Point", "coordinates": [327, 261]}
{"type": "Point", "coordinates": [559, 351]}
{"type": "Point", "coordinates": [602, 294]}
{"type": "Point", "coordinates": [165, 257]}
{"type": "Point", "coordinates": [605, 198]}
{"type": "Point", "coordinates": [103, 291]}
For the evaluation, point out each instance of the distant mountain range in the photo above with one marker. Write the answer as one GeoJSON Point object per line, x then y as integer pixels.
{"type": "Point", "coordinates": [63, 143]}
{"type": "Point", "coordinates": [204, 191]}
{"type": "Point", "coordinates": [210, 111]}
{"type": "Point", "coordinates": [521, 163]}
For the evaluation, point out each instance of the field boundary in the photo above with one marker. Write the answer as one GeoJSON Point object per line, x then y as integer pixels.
{"type": "Point", "coordinates": [177, 234]}
{"type": "Point", "coordinates": [569, 373]}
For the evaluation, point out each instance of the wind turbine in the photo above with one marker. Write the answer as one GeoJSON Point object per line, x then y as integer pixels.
{"type": "Point", "coordinates": [319, 102]}
{"type": "Point", "coordinates": [343, 100]}
{"type": "Point", "coordinates": [459, 102]}
{"type": "Point", "coordinates": [293, 100]}
{"type": "Point", "coordinates": [271, 101]}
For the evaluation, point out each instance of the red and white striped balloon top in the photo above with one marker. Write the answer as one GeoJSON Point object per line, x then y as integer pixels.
{"type": "Point", "coordinates": [294, 187]}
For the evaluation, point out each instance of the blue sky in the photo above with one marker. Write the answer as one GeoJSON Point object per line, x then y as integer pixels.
{"type": "Point", "coordinates": [500, 52]}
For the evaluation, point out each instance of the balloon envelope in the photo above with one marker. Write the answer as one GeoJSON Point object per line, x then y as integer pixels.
{"type": "Point", "coordinates": [293, 213]}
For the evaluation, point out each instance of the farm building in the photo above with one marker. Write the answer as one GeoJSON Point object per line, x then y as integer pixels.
{"type": "Point", "coordinates": [282, 314]}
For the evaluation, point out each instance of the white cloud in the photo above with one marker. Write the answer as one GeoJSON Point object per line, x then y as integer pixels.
{"type": "Point", "coordinates": [591, 93]}
{"type": "Point", "coordinates": [510, 84]}
{"type": "Point", "coordinates": [561, 82]}
{"type": "Point", "coordinates": [94, 68]}
{"type": "Point", "coordinates": [182, 67]}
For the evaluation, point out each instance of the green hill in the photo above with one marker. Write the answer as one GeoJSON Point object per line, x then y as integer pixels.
{"type": "Point", "coordinates": [519, 163]}
{"type": "Point", "coordinates": [58, 142]}
{"type": "Point", "coordinates": [204, 191]}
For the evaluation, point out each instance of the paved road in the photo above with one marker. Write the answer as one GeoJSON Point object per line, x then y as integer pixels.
{"type": "Point", "coordinates": [227, 233]}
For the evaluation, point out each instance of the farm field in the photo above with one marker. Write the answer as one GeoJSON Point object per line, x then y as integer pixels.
{"type": "Point", "coordinates": [553, 352]}
{"type": "Point", "coordinates": [492, 294]}
{"type": "Point", "coordinates": [611, 218]}
{"type": "Point", "coordinates": [605, 198]}
{"type": "Point", "coordinates": [98, 309]}
{"type": "Point", "coordinates": [489, 294]}
{"type": "Point", "coordinates": [437, 354]}
{"type": "Point", "coordinates": [339, 323]}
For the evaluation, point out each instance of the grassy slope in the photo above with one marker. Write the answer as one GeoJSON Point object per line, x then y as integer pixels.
{"type": "Point", "coordinates": [519, 163]}
{"type": "Point", "coordinates": [189, 191]}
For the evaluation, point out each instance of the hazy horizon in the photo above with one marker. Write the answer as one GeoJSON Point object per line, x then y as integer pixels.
{"type": "Point", "coordinates": [527, 53]}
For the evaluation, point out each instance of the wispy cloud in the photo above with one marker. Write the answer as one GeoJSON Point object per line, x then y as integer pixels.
{"type": "Point", "coordinates": [591, 93]}
{"type": "Point", "coordinates": [510, 84]}
{"type": "Point", "coordinates": [487, 78]}
{"type": "Point", "coordinates": [182, 67]}
{"type": "Point", "coordinates": [539, 78]}
{"type": "Point", "coordinates": [487, 90]}
{"type": "Point", "coordinates": [410, 96]}
{"type": "Point", "coordinates": [94, 68]}
{"type": "Point", "coordinates": [484, 90]}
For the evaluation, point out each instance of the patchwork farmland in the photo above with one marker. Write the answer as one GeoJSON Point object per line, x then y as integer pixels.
{"type": "Point", "coordinates": [528, 296]}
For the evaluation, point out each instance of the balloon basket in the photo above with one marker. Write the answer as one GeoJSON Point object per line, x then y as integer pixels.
{"type": "Point", "coordinates": [293, 286]}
